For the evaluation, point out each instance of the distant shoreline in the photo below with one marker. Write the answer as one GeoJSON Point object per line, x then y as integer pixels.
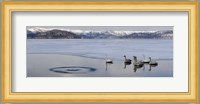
{"type": "Point", "coordinates": [107, 34]}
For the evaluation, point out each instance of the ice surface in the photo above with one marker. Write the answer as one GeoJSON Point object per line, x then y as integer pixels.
{"type": "Point", "coordinates": [115, 49]}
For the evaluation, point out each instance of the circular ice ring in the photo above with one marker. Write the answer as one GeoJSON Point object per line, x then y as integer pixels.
{"type": "Point", "coordinates": [73, 70]}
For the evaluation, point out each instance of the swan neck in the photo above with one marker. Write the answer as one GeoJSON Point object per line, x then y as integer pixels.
{"type": "Point", "coordinates": [135, 59]}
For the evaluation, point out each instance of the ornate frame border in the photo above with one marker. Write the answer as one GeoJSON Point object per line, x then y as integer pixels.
{"type": "Point", "coordinates": [9, 7]}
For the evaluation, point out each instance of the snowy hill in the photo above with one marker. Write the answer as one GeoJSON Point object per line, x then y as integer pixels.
{"type": "Point", "coordinates": [51, 33]}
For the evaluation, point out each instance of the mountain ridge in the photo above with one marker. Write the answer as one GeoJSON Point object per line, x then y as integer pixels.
{"type": "Point", "coordinates": [36, 33]}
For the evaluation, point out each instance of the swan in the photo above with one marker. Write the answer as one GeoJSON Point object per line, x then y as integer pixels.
{"type": "Point", "coordinates": [109, 60]}
{"type": "Point", "coordinates": [127, 60]}
{"type": "Point", "coordinates": [145, 60]}
{"type": "Point", "coordinates": [151, 62]}
{"type": "Point", "coordinates": [137, 63]}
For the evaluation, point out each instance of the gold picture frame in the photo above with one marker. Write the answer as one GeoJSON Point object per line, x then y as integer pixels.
{"type": "Point", "coordinates": [9, 96]}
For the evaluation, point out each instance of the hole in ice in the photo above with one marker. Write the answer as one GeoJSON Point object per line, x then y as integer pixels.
{"type": "Point", "coordinates": [73, 70]}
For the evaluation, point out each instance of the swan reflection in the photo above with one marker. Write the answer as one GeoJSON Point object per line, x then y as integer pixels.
{"type": "Point", "coordinates": [135, 68]}
{"type": "Point", "coordinates": [125, 64]}
{"type": "Point", "coordinates": [107, 65]}
{"type": "Point", "coordinates": [150, 66]}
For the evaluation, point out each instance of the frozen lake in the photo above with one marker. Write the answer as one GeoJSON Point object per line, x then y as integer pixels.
{"type": "Point", "coordinates": [114, 49]}
{"type": "Point", "coordinates": [86, 57]}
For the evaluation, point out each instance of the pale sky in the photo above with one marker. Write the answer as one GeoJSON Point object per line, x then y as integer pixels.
{"type": "Point", "coordinates": [104, 28]}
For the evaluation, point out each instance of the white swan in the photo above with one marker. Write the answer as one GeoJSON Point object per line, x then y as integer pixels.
{"type": "Point", "coordinates": [127, 60]}
{"type": "Point", "coordinates": [151, 62]}
{"type": "Point", "coordinates": [137, 63]}
{"type": "Point", "coordinates": [145, 60]}
{"type": "Point", "coordinates": [108, 60]}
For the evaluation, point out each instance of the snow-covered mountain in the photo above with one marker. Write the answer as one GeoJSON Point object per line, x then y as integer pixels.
{"type": "Point", "coordinates": [35, 30]}
{"type": "Point", "coordinates": [107, 34]}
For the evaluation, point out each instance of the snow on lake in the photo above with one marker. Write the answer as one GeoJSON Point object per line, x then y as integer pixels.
{"type": "Point", "coordinates": [115, 49]}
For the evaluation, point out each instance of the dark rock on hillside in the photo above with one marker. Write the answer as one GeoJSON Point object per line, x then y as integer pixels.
{"type": "Point", "coordinates": [52, 34]}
